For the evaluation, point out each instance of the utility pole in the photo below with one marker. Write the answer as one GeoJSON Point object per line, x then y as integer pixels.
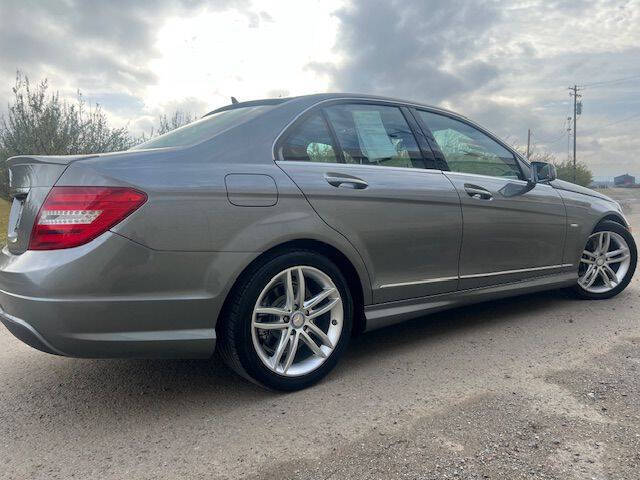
{"type": "Point", "coordinates": [528, 142]}
{"type": "Point", "coordinates": [575, 95]}
{"type": "Point", "coordinates": [568, 138]}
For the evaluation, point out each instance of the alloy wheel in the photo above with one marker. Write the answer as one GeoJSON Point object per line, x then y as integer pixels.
{"type": "Point", "coordinates": [604, 263]}
{"type": "Point", "coordinates": [297, 321]}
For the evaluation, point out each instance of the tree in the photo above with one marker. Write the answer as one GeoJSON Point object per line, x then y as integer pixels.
{"type": "Point", "coordinates": [584, 176]}
{"type": "Point", "coordinates": [41, 123]}
{"type": "Point", "coordinates": [177, 120]}
{"type": "Point", "coordinates": [166, 124]}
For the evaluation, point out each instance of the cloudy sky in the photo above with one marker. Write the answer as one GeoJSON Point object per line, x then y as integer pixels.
{"type": "Point", "coordinates": [506, 64]}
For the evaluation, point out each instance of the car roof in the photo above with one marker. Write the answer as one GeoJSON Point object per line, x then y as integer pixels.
{"type": "Point", "coordinates": [306, 101]}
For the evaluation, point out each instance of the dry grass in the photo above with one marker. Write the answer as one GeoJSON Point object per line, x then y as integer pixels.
{"type": "Point", "coordinates": [629, 198]}
{"type": "Point", "coordinates": [620, 193]}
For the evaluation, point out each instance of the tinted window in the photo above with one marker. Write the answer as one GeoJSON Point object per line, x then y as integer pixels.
{"type": "Point", "coordinates": [205, 128]}
{"type": "Point", "coordinates": [310, 141]}
{"type": "Point", "coordinates": [375, 135]}
{"type": "Point", "coordinates": [468, 150]}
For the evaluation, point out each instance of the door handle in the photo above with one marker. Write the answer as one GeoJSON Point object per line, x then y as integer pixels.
{"type": "Point", "coordinates": [475, 191]}
{"type": "Point", "coordinates": [351, 182]}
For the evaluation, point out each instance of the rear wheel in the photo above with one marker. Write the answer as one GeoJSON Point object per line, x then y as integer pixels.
{"type": "Point", "coordinates": [288, 321]}
{"type": "Point", "coordinates": [608, 262]}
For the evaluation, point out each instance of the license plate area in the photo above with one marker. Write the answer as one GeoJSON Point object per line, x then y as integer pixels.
{"type": "Point", "coordinates": [15, 215]}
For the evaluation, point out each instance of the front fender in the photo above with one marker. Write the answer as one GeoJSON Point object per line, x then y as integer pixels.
{"type": "Point", "coordinates": [584, 212]}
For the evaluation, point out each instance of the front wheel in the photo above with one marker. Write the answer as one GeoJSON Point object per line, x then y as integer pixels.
{"type": "Point", "coordinates": [288, 322]}
{"type": "Point", "coordinates": [608, 262]}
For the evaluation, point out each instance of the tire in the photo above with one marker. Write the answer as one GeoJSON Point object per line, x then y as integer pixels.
{"type": "Point", "coordinates": [615, 231]}
{"type": "Point", "coordinates": [251, 351]}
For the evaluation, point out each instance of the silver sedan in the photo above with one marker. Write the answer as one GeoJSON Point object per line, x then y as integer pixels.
{"type": "Point", "coordinates": [278, 229]}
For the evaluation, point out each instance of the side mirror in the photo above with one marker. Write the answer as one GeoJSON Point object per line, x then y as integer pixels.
{"type": "Point", "coordinates": [543, 172]}
{"type": "Point", "coordinates": [513, 189]}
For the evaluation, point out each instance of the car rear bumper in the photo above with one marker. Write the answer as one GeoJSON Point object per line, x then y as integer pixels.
{"type": "Point", "coordinates": [27, 334]}
{"type": "Point", "coordinates": [115, 298]}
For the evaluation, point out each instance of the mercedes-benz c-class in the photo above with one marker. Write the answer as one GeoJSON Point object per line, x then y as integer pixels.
{"type": "Point", "coordinates": [275, 230]}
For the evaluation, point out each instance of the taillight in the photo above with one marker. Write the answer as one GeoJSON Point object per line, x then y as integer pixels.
{"type": "Point", "coordinates": [72, 216]}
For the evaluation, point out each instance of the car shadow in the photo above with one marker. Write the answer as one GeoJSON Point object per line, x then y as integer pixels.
{"type": "Point", "coordinates": [134, 386]}
{"type": "Point", "coordinates": [452, 322]}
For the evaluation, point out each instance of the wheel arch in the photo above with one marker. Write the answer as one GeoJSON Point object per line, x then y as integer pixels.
{"type": "Point", "coordinates": [614, 217]}
{"type": "Point", "coordinates": [355, 283]}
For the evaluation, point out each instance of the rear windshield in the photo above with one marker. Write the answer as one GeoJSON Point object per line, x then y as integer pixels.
{"type": "Point", "coordinates": [205, 128]}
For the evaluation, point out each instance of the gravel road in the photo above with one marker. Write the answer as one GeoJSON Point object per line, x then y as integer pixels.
{"type": "Point", "coordinates": [540, 386]}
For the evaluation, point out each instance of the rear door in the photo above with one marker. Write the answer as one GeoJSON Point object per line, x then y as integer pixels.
{"type": "Point", "coordinates": [507, 236]}
{"type": "Point", "coordinates": [361, 168]}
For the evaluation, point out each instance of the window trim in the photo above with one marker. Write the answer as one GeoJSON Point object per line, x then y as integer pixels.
{"type": "Point", "coordinates": [428, 154]}
{"type": "Point", "coordinates": [293, 128]}
{"type": "Point", "coordinates": [438, 157]}
{"type": "Point", "coordinates": [334, 137]}
{"type": "Point", "coordinates": [303, 116]}
{"type": "Point", "coordinates": [429, 134]}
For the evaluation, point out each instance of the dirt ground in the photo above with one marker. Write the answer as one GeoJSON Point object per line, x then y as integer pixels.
{"type": "Point", "coordinates": [538, 387]}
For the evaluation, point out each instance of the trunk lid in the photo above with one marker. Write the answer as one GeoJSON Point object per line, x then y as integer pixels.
{"type": "Point", "coordinates": [30, 180]}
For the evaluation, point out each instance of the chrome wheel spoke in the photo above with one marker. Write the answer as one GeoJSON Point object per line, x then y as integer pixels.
{"type": "Point", "coordinates": [610, 274]}
{"type": "Point", "coordinates": [603, 242]}
{"type": "Point", "coordinates": [293, 349]}
{"type": "Point", "coordinates": [588, 257]}
{"type": "Point", "coordinates": [617, 256]}
{"type": "Point", "coordinates": [320, 334]}
{"type": "Point", "coordinates": [288, 285]}
{"type": "Point", "coordinates": [282, 345]}
{"type": "Point", "coordinates": [605, 277]}
{"type": "Point", "coordinates": [270, 326]}
{"type": "Point", "coordinates": [311, 344]}
{"type": "Point", "coordinates": [280, 312]}
{"type": "Point", "coordinates": [301, 288]}
{"type": "Point", "coordinates": [323, 310]}
{"type": "Point", "coordinates": [589, 277]}
{"type": "Point", "coordinates": [312, 302]}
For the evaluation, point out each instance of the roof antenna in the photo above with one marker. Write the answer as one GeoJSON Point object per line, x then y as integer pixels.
{"type": "Point", "coordinates": [234, 100]}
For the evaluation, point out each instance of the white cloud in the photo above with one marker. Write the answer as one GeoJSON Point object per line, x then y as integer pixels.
{"type": "Point", "coordinates": [213, 56]}
{"type": "Point", "coordinates": [505, 64]}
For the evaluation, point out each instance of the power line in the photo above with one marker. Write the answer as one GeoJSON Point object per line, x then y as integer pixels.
{"type": "Point", "coordinates": [562, 129]}
{"type": "Point", "coordinates": [606, 125]}
{"type": "Point", "coordinates": [547, 141]}
{"type": "Point", "coordinates": [609, 82]}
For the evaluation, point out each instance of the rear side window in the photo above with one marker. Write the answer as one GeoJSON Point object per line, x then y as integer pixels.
{"type": "Point", "coordinates": [468, 150]}
{"type": "Point", "coordinates": [310, 141]}
{"type": "Point", "coordinates": [375, 135]}
{"type": "Point", "coordinates": [205, 128]}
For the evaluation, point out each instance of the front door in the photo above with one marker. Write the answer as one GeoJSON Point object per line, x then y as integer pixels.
{"type": "Point", "coordinates": [507, 236]}
{"type": "Point", "coordinates": [361, 169]}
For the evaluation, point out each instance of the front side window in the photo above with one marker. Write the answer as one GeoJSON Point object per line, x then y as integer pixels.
{"type": "Point", "coordinates": [310, 141]}
{"type": "Point", "coordinates": [468, 150]}
{"type": "Point", "coordinates": [375, 135]}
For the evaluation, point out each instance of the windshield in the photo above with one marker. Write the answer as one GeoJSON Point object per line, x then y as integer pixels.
{"type": "Point", "coordinates": [205, 128]}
